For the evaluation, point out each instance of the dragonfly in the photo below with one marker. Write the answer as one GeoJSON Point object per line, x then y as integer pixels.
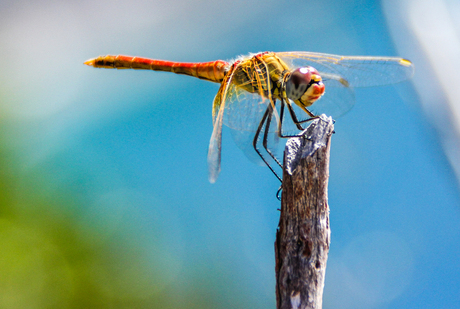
{"type": "Point", "coordinates": [256, 90]}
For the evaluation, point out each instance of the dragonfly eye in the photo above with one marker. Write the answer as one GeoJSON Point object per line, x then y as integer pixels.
{"type": "Point", "coordinates": [298, 83]}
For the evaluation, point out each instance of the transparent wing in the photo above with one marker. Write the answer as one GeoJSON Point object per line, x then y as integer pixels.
{"type": "Point", "coordinates": [337, 100]}
{"type": "Point", "coordinates": [341, 73]}
{"type": "Point", "coordinates": [215, 144]}
{"type": "Point", "coordinates": [243, 114]}
{"type": "Point", "coordinates": [244, 110]}
{"type": "Point", "coordinates": [248, 95]}
{"type": "Point", "coordinates": [353, 71]}
{"type": "Point", "coordinates": [215, 148]}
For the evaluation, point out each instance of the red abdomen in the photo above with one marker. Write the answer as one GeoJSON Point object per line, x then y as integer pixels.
{"type": "Point", "coordinates": [213, 71]}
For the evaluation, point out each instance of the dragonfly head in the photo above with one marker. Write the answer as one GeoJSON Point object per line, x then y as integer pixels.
{"type": "Point", "coordinates": [304, 86]}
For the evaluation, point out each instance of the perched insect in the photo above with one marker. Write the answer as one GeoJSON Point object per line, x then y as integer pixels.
{"type": "Point", "coordinates": [255, 90]}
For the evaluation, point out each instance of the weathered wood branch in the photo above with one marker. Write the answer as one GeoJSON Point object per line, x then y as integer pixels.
{"type": "Point", "coordinates": [303, 235]}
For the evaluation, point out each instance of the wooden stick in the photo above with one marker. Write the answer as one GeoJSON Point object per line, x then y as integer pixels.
{"type": "Point", "coordinates": [303, 235]}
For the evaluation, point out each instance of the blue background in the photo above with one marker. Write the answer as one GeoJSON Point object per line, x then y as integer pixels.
{"type": "Point", "coordinates": [106, 201]}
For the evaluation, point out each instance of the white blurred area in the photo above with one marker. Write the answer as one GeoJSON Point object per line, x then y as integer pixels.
{"type": "Point", "coordinates": [47, 92]}
{"type": "Point", "coordinates": [428, 33]}
{"type": "Point", "coordinates": [44, 42]}
{"type": "Point", "coordinates": [372, 270]}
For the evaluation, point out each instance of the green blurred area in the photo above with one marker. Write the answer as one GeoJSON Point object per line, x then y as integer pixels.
{"type": "Point", "coordinates": [51, 258]}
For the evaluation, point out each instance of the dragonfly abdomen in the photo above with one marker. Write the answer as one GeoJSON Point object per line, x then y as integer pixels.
{"type": "Point", "coordinates": [213, 71]}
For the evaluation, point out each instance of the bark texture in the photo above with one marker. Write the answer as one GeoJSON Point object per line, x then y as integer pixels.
{"type": "Point", "coordinates": [303, 235]}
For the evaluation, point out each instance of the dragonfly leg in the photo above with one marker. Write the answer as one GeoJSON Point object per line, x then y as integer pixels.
{"type": "Point", "coordinates": [296, 121]}
{"type": "Point", "coordinates": [293, 117]}
{"type": "Point", "coordinates": [266, 131]}
{"type": "Point", "coordinates": [312, 116]}
{"type": "Point", "coordinates": [263, 78]}
{"type": "Point", "coordinates": [278, 193]}
{"type": "Point", "coordinates": [256, 139]}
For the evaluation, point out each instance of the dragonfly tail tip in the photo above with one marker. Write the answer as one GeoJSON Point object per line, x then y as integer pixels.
{"type": "Point", "coordinates": [90, 62]}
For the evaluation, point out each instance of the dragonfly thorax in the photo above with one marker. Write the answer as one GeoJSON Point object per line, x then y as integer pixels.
{"type": "Point", "coordinates": [304, 86]}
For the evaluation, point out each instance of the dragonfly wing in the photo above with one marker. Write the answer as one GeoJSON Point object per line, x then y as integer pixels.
{"type": "Point", "coordinates": [215, 144]}
{"type": "Point", "coordinates": [248, 96]}
{"type": "Point", "coordinates": [354, 71]}
{"type": "Point", "coordinates": [341, 73]}
{"type": "Point", "coordinates": [336, 102]}
{"type": "Point", "coordinates": [243, 117]}
{"type": "Point", "coordinates": [245, 110]}
{"type": "Point", "coordinates": [215, 147]}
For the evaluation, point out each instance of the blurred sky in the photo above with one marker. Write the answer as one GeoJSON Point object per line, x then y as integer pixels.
{"type": "Point", "coordinates": [134, 143]}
